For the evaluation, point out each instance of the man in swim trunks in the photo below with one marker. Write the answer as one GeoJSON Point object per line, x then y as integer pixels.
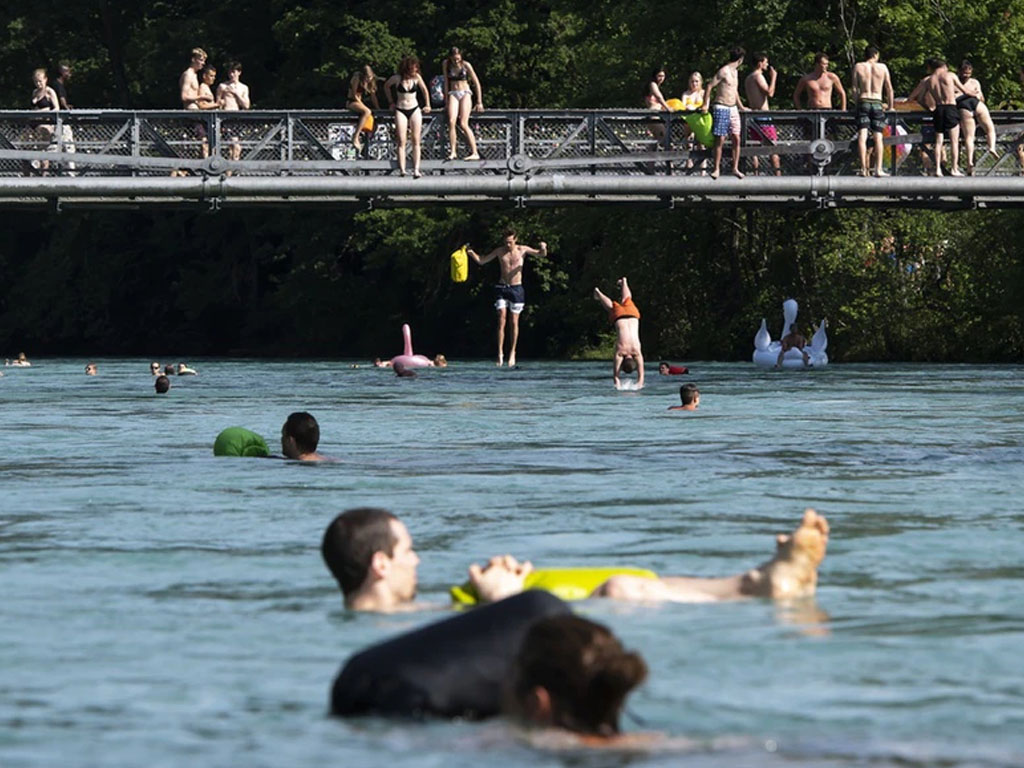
{"type": "Point", "coordinates": [625, 316]}
{"type": "Point", "coordinates": [759, 89]}
{"type": "Point", "coordinates": [370, 553]}
{"type": "Point", "coordinates": [943, 88]}
{"type": "Point", "coordinates": [726, 110]}
{"type": "Point", "coordinates": [924, 98]}
{"type": "Point", "coordinates": [871, 82]}
{"type": "Point", "coordinates": [689, 397]}
{"type": "Point", "coordinates": [300, 435]}
{"type": "Point", "coordinates": [793, 340]}
{"type": "Point", "coordinates": [509, 294]}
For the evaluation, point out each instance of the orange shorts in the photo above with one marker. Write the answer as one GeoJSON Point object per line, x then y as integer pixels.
{"type": "Point", "coordinates": [625, 309]}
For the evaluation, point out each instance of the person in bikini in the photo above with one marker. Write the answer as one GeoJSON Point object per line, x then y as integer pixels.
{"type": "Point", "coordinates": [726, 110]}
{"type": "Point", "coordinates": [973, 110]}
{"type": "Point", "coordinates": [407, 111]}
{"type": "Point", "coordinates": [793, 340]}
{"type": "Point", "coordinates": [363, 84]}
{"type": "Point", "coordinates": [510, 297]}
{"type": "Point", "coordinates": [370, 553]}
{"type": "Point", "coordinates": [871, 84]}
{"type": "Point", "coordinates": [625, 316]}
{"type": "Point", "coordinates": [458, 76]}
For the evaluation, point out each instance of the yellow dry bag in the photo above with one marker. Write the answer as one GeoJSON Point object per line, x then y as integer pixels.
{"type": "Point", "coordinates": [460, 265]}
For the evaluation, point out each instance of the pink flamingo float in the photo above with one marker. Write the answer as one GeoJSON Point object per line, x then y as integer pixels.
{"type": "Point", "coordinates": [407, 359]}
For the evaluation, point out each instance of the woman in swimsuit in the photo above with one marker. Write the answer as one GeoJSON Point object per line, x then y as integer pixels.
{"type": "Point", "coordinates": [971, 104]}
{"type": "Point", "coordinates": [407, 109]}
{"type": "Point", "coordinates": [458, 74]}
{"type": "Point", "coordinates": [692, 101]}
{"type": "Point", "coordinates": [363, 83]}
{"type": "Point", "coordinates": [44, 98]}
{"type": "Point", "coordinates": [655, 101]}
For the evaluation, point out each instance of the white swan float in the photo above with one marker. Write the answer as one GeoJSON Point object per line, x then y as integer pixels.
{"type": "Point", "coordinates": [766, 351]}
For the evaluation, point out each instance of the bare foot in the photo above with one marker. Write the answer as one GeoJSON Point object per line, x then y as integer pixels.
{"type": "Point", "coordinates": [358, 145]}
{"type": "Point", "coordinates": [956, 172]}
{"type": "Point", "coordinates": [474, 156]}
{"type": "Point", "coordinates": [453, 156]}
{"type": "Point", "coordinates": [714, 174]}
{"type": "Point", "coordinates": [880, 173]}
{"type": "Point", "coordinates": [512, 360]}
{"type": "Point", "coordinates": [737, 173]}
{"type": "Point", "coordinates": [793, 572]}
{"type": "Point", "coordinates": [938, 172]}
{"type": "Point", "coordinates": [970, 170]}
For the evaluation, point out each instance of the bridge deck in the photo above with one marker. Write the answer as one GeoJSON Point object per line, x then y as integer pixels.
{"type": "Point", "coordinates": [529, 157]}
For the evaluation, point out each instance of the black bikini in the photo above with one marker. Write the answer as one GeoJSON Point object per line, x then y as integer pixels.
{"type": "Point", "coordinates": [412, 89]}
{"type": "Point", "coordinates": [42, 103]}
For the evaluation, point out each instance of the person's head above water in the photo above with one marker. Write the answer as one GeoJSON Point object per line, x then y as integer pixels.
{"type": "Point", "coordinates": [90, 369]}
{"type": "Point", "coordinates": [161, 383]}
{"type": "Point", "coordinates": [573, 673]}
{"type": "Point", "coordinates": [369, 551]}
{"type": "Point", "coordinates": [300, 435]}
{"type": "Point", "coordinates": [689, 395]}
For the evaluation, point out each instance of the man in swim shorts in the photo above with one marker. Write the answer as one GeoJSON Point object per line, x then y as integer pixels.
{"type": "Point", "coordinates": [871, 82]}
{"type": "Point", "coordinates": [943, 88]}
{"type": "Point", "coordinates": [926, 101]}
{"type": "Point", "coordinates": [726, 110]}
{"type": "Point", "coordinates": [300, 435]}
{"type": "Point", "coordinates": [625, 316]}
{"type": "Point", "coordinates": [509, 296]}
{"type": "Point", "coordinates": [759, 89]}
{"type": "Point", "coordinates": [689, 397]}
{"type": "Point", "coordinates": [370, 553]}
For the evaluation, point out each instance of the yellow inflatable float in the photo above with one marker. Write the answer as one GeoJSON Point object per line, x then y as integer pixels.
{"type": "Point", "coordinates": [566, 583]}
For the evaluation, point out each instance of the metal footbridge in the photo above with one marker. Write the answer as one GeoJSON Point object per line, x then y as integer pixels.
{"type": "Point", "coordinates": [214, 159]}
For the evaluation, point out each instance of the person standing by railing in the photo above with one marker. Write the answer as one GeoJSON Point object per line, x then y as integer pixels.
{"type": "Point", "coordinates": [44, 99]}
{"type": "Point", "coordinates": [232, 96]}
{"type": "Point", "coordinates": [458, 76]}
{"type": "Point", "coordinates": [60, 88]}
{"type": "Point", "coordinates": [819, 84]}
{"type": "Point", "coordinates": [362, 84]}
{"type": "Point", "coordinates": [406, 107]}
{"type": "Point", "coordinates": [871, 82]}
{"type": "Point", "coordinates": [726, 109]}
{"type": "Point", "coordinates": [759, 89]}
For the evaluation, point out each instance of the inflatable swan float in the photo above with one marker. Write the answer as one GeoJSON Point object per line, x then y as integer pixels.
{"type": "Point", "coordinates": [766, 351]}
{"type": "Point", "coordinates": [407, 359]}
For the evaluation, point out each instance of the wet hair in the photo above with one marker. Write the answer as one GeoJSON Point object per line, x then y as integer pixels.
{"type": "Point", "coordinates": [162, 384]}
{"type": "Point", "coordinates": [407, 66]}
{"type": "Point", "coordinates": [350, 542]}
{"type": "Point", "coordinates": [760, 56]}
{"type": "Point", "coordinates": [819, 56]}
{"type": "Point", "coordinates": [89, 366]}
{"type": "Point", "coordinates": [584, 669]}
{"type": "Point", "coordinates": [736, 53]}
{"type": "Point", "coordinates": [628, 364]}
{"type": "Point", "coordinates": [688, 393]}
{"type": "Point", "coordinates": [169, 370]}
{"type": "Point", "coordinates": [509, 232]}
{"type": "Point", "coordinates": [870, 51]}
{"type": "Point", "coordinates": [303, 429]}
{"type": "Point", "coordinates": [663, 362]}
{"type": "Point", "coordinates": [198, 53]}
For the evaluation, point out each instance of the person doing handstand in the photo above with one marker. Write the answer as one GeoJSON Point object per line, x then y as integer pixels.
{"type": "Point", "coordinates": [793, 340]}
{"type": "Point", "coordinates": [625, 316]}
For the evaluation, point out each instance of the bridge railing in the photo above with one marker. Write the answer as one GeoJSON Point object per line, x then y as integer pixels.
{"type": "Point", "coordinates": [619, 142]}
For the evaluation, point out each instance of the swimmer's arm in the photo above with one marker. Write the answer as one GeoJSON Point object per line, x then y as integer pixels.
{"type": "Point", "coordinates": [640, 369]}
{"type": "Point", "coordinates": [482, 259]}
{"type": "Point", "coordinates": [502, 577]}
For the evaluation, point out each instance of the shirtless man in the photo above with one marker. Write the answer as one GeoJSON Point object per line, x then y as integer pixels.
{"type": "Point", "coordinates": [509, 293]}
{"type": "Point", "coordinates": [370, 553]}
{"type": "Point", "coordinates": [871, 82]}
{"type": "Point", "coordinates": [793, 340]}
{"type": "Point", "coordinates": [232, 96]}
{"type": "Point", "coordinates": [971, 104]}
{"type": "Point", "coordinates": [924, 98]}
{"type": "Point", "coordinates": [188, 83]}
{"type": "Point", "coordinates": [943, 88]}
{"type": "Point", "coordinates": [626, 318]}
{"type": "Point", "coordinates": [300, 435]}
{"type": "Point", "coordinates": [819, 84]}
{"type": "Point", "coordinates": [759, 89]}
{"type": "Point", "coordinates": [689, 398]}
{"type": "Point", "coordinates": [726, 110]}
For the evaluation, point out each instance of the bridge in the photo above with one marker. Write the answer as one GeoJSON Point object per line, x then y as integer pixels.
{"type": "Point", "coordinates": [215, 159]}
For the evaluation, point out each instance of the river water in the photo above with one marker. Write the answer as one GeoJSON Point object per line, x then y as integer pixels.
{"type": "Point", "coordinates": [164, 607]}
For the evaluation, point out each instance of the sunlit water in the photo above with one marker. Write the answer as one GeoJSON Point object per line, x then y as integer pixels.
{"type": "Point", "coordinates": [164, 607]}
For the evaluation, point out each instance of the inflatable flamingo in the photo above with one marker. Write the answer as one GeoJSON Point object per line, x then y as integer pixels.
{"type": "Point", "coordinates": [407, 358]}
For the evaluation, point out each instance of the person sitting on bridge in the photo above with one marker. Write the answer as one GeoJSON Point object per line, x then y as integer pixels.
{"type": "Point", "coordinates": [363, 83]}
{"type": "Point", "coordinates": [626, 318]}
{"type": "Point", "coordinates": [793, 340]}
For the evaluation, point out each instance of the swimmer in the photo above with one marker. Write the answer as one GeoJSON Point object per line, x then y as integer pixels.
{"type": "Point", "coordinates": [402, 372]}
{"type": "Point", "coordinates": [793, 340]}
{"type": "Point", "coordinates": [689, 397]}
{"type": "Point", "coordinates": [573, 674]}
{"type": "Point", "coordinates": [90, 369]}
{"type": "Point", "coordinates": [169, 370]}
{"type": "Point", "coordinates": [20, 361]}
{"type": "Point", "coordinates": [370, 553]}
{"type": "Point", "coordinates": [154, 369]}
{"type": "Point", "coordinates": [671, 370]}
{"type": "Point", "coordinates": [300, 435]}
{"type": "Point", "coordinates": [440, 361]}
{"type": "Point", "coordinates": [625, 316]}
{"type": "Point", "coordinates": [161, 384]}
{"type": "Point", "coordinates": [184, 370]}
{"type": "Point", "coordinates": [378, 363]}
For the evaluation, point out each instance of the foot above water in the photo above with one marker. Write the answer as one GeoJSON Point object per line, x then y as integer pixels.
{"type": "Point", "coordinates": [793, 572]}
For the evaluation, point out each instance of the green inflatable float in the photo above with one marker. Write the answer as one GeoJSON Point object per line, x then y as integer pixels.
{"type": "Point", "coordinates": [239, 441]}
{"type": "Point", "coordinates": [566, 583]}
{"type": "Point", "coordinates": [700, 124]}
